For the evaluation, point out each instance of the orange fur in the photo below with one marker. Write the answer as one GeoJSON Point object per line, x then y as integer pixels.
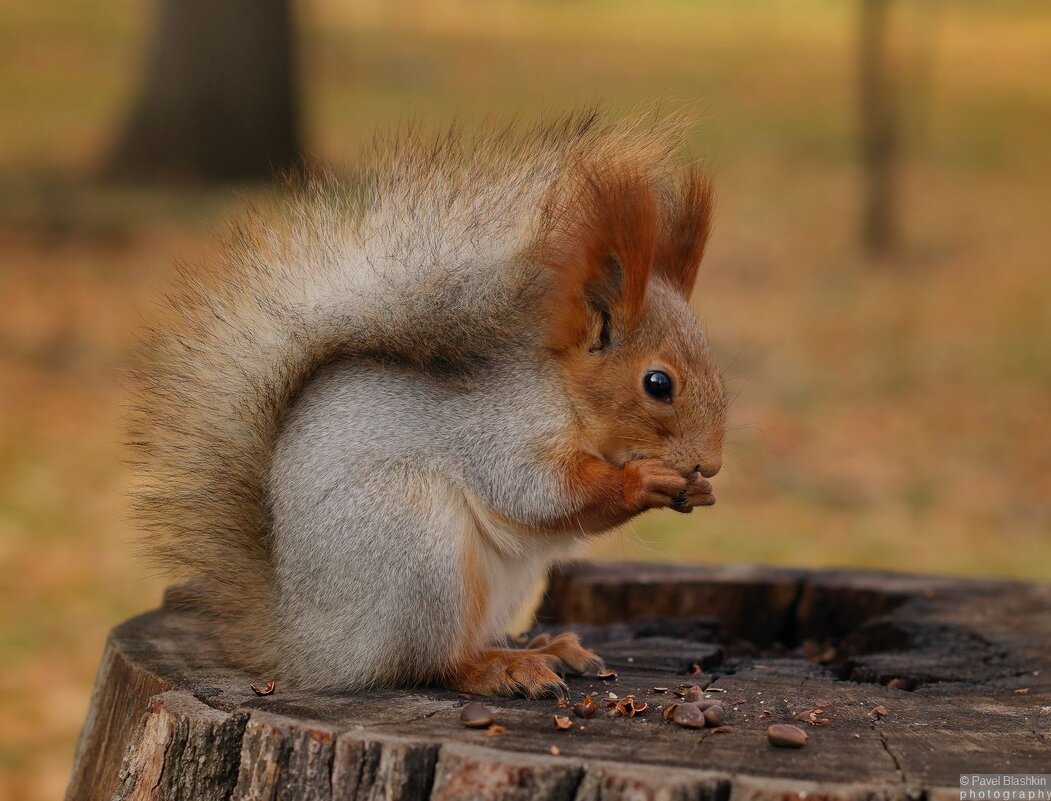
{"type": "Point", "coordinates": [608, 496]}
{"type": "Point", "coordinates": [476, 593]}
{"type": "Point", "coordinates": [620, 227]}
{"type": "Point", "coordinates": [685, 227]}
{"type": "Point", "coordinates": [533, 670]}
{"type": "Point", "coordinates": [623, 261]}
{"type": "Point", "coordinates": [601, 251]}
{"type": "Point", "coordinates": [567, 649]}
{"type": "Point", "coordinates": [506, 671]}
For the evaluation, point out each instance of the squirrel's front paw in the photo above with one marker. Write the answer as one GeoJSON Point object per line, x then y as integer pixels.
{"type": "Point", "coordinates": [698, 492]}
{"type": "Point", "coordinates": [651, 484]}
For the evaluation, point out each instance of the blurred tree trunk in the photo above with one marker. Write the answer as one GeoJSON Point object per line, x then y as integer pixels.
{"type": "Point", "coordinates": [879, 129]}
{"type": "Point", "coordinates": [219, 98]}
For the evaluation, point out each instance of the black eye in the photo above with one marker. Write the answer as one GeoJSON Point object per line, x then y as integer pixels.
{"type": "Point", "coordinates": [657, 385]}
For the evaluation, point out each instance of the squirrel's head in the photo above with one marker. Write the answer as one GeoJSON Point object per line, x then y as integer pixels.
{"type": "Point", "coordinates": [634, 357]}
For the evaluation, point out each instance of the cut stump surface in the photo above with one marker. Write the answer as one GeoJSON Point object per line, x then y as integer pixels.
{"type": "Point", "coordinates": [901, 682]}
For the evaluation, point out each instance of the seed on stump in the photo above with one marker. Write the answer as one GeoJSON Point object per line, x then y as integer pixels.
{"type": "Point", "coordinates": [688, 716]}
{"type": "Point", "coordinates": [783, 735]}
{"type": "Point", "coordinates": [714, 715]}
{"type": "Point", "coordinates": [476, 716]}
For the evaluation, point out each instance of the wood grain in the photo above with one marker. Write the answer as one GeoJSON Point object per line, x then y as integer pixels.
{"type": "Point", "coordinates": [970, 663]}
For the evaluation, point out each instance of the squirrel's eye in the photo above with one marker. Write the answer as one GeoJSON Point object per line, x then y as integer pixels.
{"type": "Point", "coordinates": [658, 385]}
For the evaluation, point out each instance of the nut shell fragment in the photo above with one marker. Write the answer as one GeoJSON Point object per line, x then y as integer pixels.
{"type": "Point", "coordinates": [627, 707]}
{"type": "Point", "coordinates": [586, 708]}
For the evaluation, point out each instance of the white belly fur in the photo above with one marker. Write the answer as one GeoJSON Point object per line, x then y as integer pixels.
{"type": "Point", "coordinates": [513, 563]}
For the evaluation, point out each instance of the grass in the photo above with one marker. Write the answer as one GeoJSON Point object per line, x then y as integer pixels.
{"type": "Point", "coordinates": [887, 414]}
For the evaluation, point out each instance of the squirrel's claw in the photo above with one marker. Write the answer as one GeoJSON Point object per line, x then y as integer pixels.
{"type": "Point", "coordinates": [537, 679]}
{"type": "Point", "coordinates": [559, 691]}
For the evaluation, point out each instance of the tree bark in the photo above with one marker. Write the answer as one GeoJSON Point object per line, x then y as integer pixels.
{"type": "Point", "coordinates": [902, 683]}
{"type": "Point", "coordinates": [219, 98]}
{"type": "Point", "coordinates": [879, 129]}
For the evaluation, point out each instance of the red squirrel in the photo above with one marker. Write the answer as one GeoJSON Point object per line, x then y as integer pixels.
{"type": "Point", "coordinates": [368, 430]}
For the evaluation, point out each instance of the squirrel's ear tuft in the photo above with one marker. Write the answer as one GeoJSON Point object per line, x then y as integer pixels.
{"type": "Point", "coordinates": [600, 248]}
{"type": "Point", "coordinates": [686, 222]}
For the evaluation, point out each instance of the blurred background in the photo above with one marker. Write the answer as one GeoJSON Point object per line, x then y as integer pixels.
{"type": "Point", "coordinates": [877, 288]}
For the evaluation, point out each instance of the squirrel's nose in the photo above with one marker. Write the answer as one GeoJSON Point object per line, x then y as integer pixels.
{"type": "Point", "coordinates": [710, 467]}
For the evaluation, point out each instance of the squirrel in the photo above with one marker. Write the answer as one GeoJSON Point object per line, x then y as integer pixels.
{"type": "Point", "coordinates": [372, 425]}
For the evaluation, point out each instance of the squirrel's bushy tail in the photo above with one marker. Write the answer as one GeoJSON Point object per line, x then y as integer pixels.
{"type": "Point", "coordinates": [388, 269]}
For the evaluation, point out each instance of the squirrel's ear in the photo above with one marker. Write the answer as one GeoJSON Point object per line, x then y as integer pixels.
{"type": "Point", "coordinates": [601, 251]}
{"type": "Point", "coordinates": [686, 222]}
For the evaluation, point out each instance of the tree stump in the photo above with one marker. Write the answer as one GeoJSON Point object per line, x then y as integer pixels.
{"type": "Point", "coordinates": [902, 683]}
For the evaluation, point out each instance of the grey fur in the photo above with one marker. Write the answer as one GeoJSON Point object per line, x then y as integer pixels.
{"type": "Point", "coordinates": [377, 478]}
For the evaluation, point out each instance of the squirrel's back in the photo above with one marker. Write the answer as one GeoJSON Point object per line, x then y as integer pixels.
{"type": "Point", "coordinates": [423, 261]}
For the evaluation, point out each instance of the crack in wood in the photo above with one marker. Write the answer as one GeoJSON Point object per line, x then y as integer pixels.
{"type": "Point", "coordinates": [886, 747]}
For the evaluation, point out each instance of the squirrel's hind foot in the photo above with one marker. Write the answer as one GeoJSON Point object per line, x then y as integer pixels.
{"type": "Point", "coordinates": [571, 655]}
{"type": "Point", "coordinates": [532, 671]}
{"type": "Point", "coordinates": [506, 671]}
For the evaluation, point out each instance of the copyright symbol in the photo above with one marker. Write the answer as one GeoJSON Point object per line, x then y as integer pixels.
{"type": "Point", "coordinates": [964, 780]}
